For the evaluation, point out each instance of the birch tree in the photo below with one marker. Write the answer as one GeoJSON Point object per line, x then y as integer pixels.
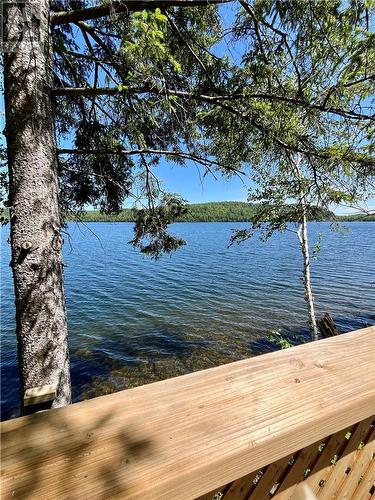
{"type": "Point", "coordinates": [302, 114]}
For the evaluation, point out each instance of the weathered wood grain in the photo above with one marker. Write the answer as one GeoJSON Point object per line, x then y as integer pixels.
{"type": "Point", "coordinates": [185, 436]}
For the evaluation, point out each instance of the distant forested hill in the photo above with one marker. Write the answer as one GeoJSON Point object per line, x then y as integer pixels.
{"type": "Point", "coordinates": [222, 211]}
{"type": "Point", "coordinates": [219, 212]}
{"type": "Point", "coordinates": [355, 218]}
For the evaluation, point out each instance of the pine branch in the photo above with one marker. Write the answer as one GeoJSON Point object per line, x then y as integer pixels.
{"type": "Point", "coordinates": [205, 162]}
{"type": "Point", "coordinates": [131, 152]}
{"type": "Point", "coordinates": [124, 6]}
{"type": "Point", "coordinates": [220, 101]}
{"type": "Point", "coordinates": [212, 98]}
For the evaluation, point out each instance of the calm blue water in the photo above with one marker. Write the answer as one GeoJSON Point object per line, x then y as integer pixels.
{"type": "Point", "coordinates": [133, 320]}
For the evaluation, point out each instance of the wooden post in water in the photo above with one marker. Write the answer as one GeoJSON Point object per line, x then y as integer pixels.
{"type": "Point", "coordinates": [327, 326]}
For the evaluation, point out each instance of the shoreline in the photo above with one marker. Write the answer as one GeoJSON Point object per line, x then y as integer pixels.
{"type": "Point", "coordinates": [112, 220]}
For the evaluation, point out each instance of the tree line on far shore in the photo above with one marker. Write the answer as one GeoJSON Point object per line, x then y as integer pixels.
{"type": "Point", "coordinates": [221, 211]}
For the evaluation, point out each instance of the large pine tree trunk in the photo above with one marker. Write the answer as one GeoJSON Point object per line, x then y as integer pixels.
{"type": "Point", "coordinates": [43, 355]}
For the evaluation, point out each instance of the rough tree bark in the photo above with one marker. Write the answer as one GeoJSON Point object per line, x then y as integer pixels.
{"type": "Point", "coordinates": [43, 356]}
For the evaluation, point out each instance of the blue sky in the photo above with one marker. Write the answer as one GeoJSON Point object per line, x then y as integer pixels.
{"type": "Point", "coordinates": [187, 182]}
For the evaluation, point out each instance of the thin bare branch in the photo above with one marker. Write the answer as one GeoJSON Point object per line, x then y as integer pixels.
{"type": "Point", "coordinates": [125, 6]}
{"type": "Point", "coordinates": [132, 152]}
{"type": "Point", "coordinates": [213, 98]}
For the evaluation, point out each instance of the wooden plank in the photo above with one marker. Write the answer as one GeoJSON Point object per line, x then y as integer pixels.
{"type": "Point", "coordinates": [185, 436]}
{"type": "Point", "coordinates": [337, 477]}
{"type": "Point", "coordinates": [241, 488]}
{"type": "Point", "coordinates": [271, 476]}
{"type": "Point", "coordinates": [296, 473]}
{"type": "Point", "coordinates": [216, 493]}
{"type": "Point", "coordinates": [289, 476]}
{"type": "Point", "coordinates": [321, 470]}
{"type": "Point", "coordinates": [39, 394]}
{"type": "Point", "coordinates": [359, 468]}
{"type": "Point", "coordinates": [366, 489]}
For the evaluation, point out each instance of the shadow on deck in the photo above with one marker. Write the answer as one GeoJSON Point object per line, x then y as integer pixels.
{"type": "Point", "coordinates": [198, 433]}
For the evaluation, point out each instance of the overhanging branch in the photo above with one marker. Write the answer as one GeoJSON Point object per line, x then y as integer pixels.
{"type": "Point", "coordinates": [207, 163]}
{"type": "Point", "coordinates": [120, 6]}
{"type": "Point", "coordinates": [345, 113]}
{"type": "Point", "coordinates": [133, 152]}
{"type": "Point", "coordinates": [220, 101]}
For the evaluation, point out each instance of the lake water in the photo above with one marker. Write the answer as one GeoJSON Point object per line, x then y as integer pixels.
{"type": "Point", "coordinates": [133, 320]}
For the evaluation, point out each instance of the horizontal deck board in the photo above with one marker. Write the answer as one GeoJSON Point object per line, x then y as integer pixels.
{"type": "Point", "coordinates": [182, 437]}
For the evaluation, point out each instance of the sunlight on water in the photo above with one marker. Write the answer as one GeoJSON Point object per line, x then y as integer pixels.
{"type": "Point", "coordinates": [133, 320]}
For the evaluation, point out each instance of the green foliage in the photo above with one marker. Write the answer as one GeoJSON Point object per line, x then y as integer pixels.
{"type": "Point", "coordinates": [317, 246]}
{"type": "Point", "coordinates": [275, 337]}
{"type": "Point", "coordinates": [142, 50]}
{"type": "Point", "coordinates": [306, 472]}
{"type": "Point", "coordinates": [285, 340]}
{"type": "Point", "coordinates": [321, 447]}
{"type": "Point", "coordinates": [150, 230]}
{"type": "Point", "coordinates": [99, 180]}
{"type": "Point", "coordinates": [218, 496]}
{"type": "Point", "coordinates": [356, 218]}
{"type": "Point", "coordinates": [146, 48]}
{"type": "Point", "coordinates": [305, 68]}
{"type": "Point", "coordinates": [224, 211]}
{"type": "Point", "coordinates": [299, 80]}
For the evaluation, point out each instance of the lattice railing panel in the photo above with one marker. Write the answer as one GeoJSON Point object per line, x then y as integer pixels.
{"type": "Point", "coordinates": [341, 466]}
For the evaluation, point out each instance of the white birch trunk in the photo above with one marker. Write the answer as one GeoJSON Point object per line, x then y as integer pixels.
{"type": "Point", "coordinates": [303, 240]}
{"type": "Point", "coordinates": [304, 243]}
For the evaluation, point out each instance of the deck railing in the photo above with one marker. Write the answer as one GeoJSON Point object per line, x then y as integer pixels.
{"type": "Point", "coordinates": [264, 420]}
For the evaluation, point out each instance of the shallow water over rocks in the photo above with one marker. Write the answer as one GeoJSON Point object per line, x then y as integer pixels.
{"type": "Point", "coordinates": [134, 321]}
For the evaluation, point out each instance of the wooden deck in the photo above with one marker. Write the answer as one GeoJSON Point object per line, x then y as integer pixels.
{"type": "Point", "coordinates": [341, 466]}
{"type": "Point", "coordinates": [199, 433]}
